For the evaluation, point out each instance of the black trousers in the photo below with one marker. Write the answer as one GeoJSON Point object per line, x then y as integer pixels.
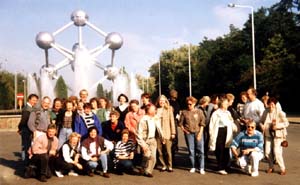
{"type": "Point", "coordinates": [222, 153]}
{"type": "Point", "coordinates": [42, 163]}
{"type": "Point", "coordinates": [26, 143]}
{"type": "Point", "coordinates": [64, 167]}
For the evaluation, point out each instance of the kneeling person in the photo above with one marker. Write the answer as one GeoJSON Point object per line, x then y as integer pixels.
{"type": "Point", "coordinates": [43, 151]}
{"type": "Point", "coordinates": [69, 161]}
{"type": "Point", "coordinates": [95, 148]}
{"type": "Point", "coordinates": [251, 144]}
{"type": "Point", "coordinates": [124, 153]}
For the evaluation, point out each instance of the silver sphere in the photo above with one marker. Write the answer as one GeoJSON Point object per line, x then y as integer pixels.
{"type": "Point", "coordinates": [44, 40]}
{"type": "Point", "coordinates": [79, 17]}
{"type": "Point", "coordinates": [111, 72]}
{"type": "Point", "coordinates": [115, 40]}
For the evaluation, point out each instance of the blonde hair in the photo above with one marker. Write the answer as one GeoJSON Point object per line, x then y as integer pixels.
{"type": "Point", "coordinates": [167, 104]}
{"type": "Point", "coordinates": [74, 134]}
{"type": "Point", "coordinates": [204, 99]}
{"type": "Point", "coordinates": [229, 96]}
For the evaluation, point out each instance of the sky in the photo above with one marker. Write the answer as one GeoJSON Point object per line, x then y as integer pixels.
{"type": "Point", "coordinates": [147, 27]}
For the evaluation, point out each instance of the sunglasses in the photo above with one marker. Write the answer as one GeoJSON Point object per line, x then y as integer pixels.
{"type": "Point", "coordinates": [252, 127]}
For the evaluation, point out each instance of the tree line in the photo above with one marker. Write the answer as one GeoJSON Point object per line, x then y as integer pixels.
{"type": "Point", "coordinates": [225, 64]}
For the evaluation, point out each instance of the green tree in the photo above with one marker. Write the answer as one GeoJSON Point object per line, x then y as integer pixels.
{"type": "Point", "coordinates": [100, 90]}
{"type": "Point", "coordinates": [6, 90]}
{"type": "Point", "coordinates": [61, 88]}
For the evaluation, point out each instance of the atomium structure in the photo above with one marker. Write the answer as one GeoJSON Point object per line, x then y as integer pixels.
{"type": "Point", "coordinates": [79, 54]}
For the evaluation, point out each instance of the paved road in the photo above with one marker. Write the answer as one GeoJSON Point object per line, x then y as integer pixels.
{"type": "Point", "coordinates": [11, 169]}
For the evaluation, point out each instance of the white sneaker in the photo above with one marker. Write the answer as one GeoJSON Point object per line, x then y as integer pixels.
{"type": "Point", "coordinates": [72, 173]}
{"type": "Point", "coordinates": [254, 174]}
{"type": "Point", "coordinates": [59, 174]}
{"type": "Point", "coordinates": [192, 170]}
{"type": "Point", "coordinates": [249, 169]}
{"type": "Point", "coordinates": [222, 172]}
{"type": "Point", "coordinates": [202, 172]}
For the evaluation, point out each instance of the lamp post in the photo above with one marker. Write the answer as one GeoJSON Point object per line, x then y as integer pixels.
{"type": "Point", "coordinates": [190, 72]}
{"type": "Point", "coordinates": [231, 5]}
{"type": "Point", "coordinates": [24, 81]}
{"type": "Point", "coordinates": [16, 87]}
{"type": "Point", "coordinates": [159, 79]}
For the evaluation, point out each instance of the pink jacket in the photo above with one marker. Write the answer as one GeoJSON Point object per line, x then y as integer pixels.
{"type": "Point", "coordinates": [40, 145]}
{"type": "Point", "coordinates": [132, 120]}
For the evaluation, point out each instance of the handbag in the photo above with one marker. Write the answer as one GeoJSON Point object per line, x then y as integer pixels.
{"type": "Point", "coordinates": [284, 143]}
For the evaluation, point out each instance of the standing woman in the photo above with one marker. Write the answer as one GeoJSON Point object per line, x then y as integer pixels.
{"type": "Point", "coordinates": [221, 129]}
{"type": "Point", "coordinates": [104, 109]}
{"type": "Point", "coordinates": [165, 114]}
{"type": "Point", "coordinates": [65, 122]}
{"type": "Point", "coordinates": [57, 106]}
{"type": "Point", "coordinates": [192, 123]}
{"type": "Point", "coordinates": [123, 106]}
{"type": "Point", "coordinates": [274, 124]}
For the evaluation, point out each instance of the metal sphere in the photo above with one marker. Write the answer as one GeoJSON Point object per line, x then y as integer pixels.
{"type": "Point", "coordinates": [111, 72]}
{"type": "Point", "coordinates": [79, 17]}
{"type": "Point", "coordinates": [115, 40]}
{"type": "Point", "coordinates": [44, 40]}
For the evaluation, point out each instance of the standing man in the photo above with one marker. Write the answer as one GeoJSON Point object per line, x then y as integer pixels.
{"type": "Point", "coordinates": [83, 94]}
{"type": "Point", "coordinates": [146, 137]}
{"type": "Point", "coordinates": [40, 119]}
{"type": "Point", "coordinates": [23, 129]}
{"type": "Point", "coordinates": [254, 108]}
{"type": "Point", "coordinates": [176, 114]}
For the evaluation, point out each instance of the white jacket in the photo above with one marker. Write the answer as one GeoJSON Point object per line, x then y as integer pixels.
{"type": "Point", "coordinates": [226, 118]}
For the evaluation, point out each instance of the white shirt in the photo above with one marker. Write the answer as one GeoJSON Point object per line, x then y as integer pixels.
{"type": "Point", "coordinates": [254, 110]}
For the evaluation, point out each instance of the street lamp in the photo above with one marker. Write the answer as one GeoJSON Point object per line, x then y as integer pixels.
{"type": "Point", "coordinates": [231, 5]}
{"type": "Point", "coordinates": [190, 72]}
{"type": "Point", "coordinates": [16, 87]}
{"type": "Point", "coordinates": [24, 81]}
{"type": "Point", "coordinates": [159, 79]}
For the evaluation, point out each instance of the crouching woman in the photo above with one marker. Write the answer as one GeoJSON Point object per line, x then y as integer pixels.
{"type": "Point", "coordinates": [69, 161]}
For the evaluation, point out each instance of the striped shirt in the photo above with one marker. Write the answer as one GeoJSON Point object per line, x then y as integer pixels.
{"type": "Point", "coordinates": [124, 149]}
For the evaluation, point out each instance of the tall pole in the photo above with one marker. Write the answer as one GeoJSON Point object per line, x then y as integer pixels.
{"type": "Point", "coordinates": [24, 81]}
{"type": "Point", "coordinates": [159, 78]}
{"type": "Point", "coordinates": [253, 48]}
{"type": "Point", "coordinates": [16, 87]}
{"type": "Point", "coordinates": [231, 5]}
{"type": "Point", "coordinates": [190, 73]}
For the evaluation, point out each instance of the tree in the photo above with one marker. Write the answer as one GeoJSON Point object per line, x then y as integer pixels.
{"type": "Point", "coordinates": [61, 88]}
{"type": "Point", "coordinates": [100, 90]}
{"type": "Point", "coordinates": [6, 90]}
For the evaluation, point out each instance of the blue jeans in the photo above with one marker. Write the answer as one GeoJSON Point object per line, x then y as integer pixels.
{"type": "Point", "coordinates": [103, 159]}
{"type": "Point", "coordinates": [64, 134]}
{"type": "Point", "coordinates": [193, 147]}
{"type": "Point", "coordinates": [125, 165]}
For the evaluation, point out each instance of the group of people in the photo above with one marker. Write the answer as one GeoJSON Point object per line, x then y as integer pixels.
{"type": "Point", "coordinates": [78, 134]}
